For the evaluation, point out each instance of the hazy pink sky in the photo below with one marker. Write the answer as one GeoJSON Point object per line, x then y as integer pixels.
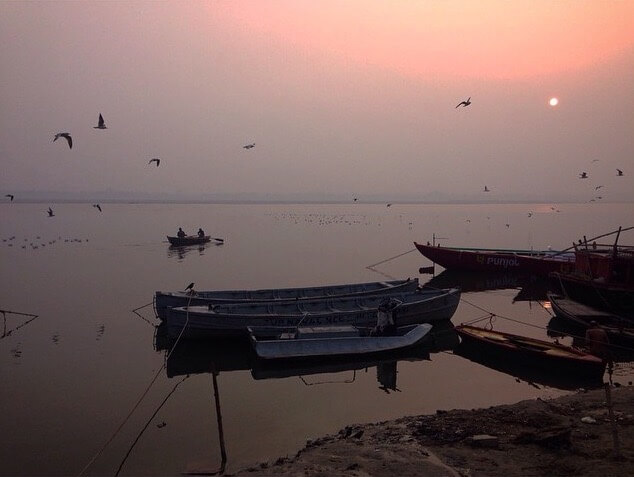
{"type": "Point", "coordinates": [341, 98]}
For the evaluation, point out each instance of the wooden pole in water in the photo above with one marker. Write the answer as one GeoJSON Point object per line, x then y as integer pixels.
{"type": "Point", "coordinates": [221, 435]}
{"type": "Point", "coordinates": [615, 431]}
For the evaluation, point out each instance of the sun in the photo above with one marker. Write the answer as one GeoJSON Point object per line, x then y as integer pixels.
{"type": "Point", "coordinates": [553, 101]}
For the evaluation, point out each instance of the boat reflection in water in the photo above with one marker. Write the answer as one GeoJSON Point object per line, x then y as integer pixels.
{"type": "Point", "coordinates": [530, 288]}
{"type": "Point", "coordinates": [179, 252]}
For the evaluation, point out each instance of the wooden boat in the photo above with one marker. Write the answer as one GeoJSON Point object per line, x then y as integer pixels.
{"type": "Point", "coordinates": [527, 262]}
{"type": "Point", "coordinates": [602, 278]}
{"type": "Point", "coordinates": [420, 306]}
{"type": "Point", "coordinates": [581, 315]}
{"type": "Point", "coordinates": [338, 341]}
{"type": "Point", "coordinates": [545, 356]}
{"type": "Point", "coordinates": [187, 240]}
{"type": "Point", "coordinates": [164, 300]}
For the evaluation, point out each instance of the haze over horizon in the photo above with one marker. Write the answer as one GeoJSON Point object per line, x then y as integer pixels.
{"type": "Point", "coordinates": [354, 99]}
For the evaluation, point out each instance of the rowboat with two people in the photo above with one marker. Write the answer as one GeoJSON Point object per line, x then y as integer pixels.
{"type": "Point", "coordinates": [164, 300]}
{"type": "Point", "coordinates": [419, 306]}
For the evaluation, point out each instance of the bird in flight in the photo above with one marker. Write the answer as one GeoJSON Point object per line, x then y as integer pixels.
{"type": "Point", "coordinates": [464, 103]}
{"type": "Point", "coordinates": [249, 146]}
{"type": "Point", "coordinates": [507, 225]}
{"type": "Point", "coordinates": [50, 212]}
{"type": "Point", "coordinates": [598, 187]}
{"type": "Point", "coordinates": [530, 214]}
{"type": "Point", "coordinates": [66, 136]}
{"type": "Point", "coordinates": [619, 172]}
{"type": "Point", "coordinates": [10, 196]}
{"type": "Point", "coordinates": [595, 160]}
{"type": "Point", "coordinates": [158, 161]}
{"type": "Point", "coordinates": [486, 189]}
{"type": "Point", "coordinates": [102, 123]}
{"type": "Point", "coordinates": [97, 206]}
{"type": "Point", "coordinates": [583, 175]}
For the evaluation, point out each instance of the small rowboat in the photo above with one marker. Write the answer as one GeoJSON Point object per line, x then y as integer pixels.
{"type": "Point", "coordinates": [420, 306]}
{"type": "Point", "coordinates": [164, 300]}
{"type": "Point", "coordinates": [325, 342]}
{"type": "Point", "coordinates": [188, 240]}
{"type": "Point", "coordinates": [545, 356]}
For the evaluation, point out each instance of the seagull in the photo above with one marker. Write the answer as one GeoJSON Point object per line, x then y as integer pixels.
{"type": "Point", "coordinates": [583, 175]}
{"type": "Point", "coordinates": [65, 136]}
{"type": "Point", "coordinates": [486, 189]}
{"type": "Point", "coordinates": [50, 212]}
{"type": "Point", "coordinates": [10, 196]}
{"type": "Point", "coordinates": [97, 206]}
{"type": "Point", "coordinates": [530, 214]}
{"type": "Point", "coordinates": [619, 172]}
{"type": "Point", "coordinates": [190, 286]}
{"type": "Point", "coordinates": [464, 103]}
{"type": "Point", "coordinates": [249, 146]}
{"type": "Point", "coordinates": [389, 205]}
{"type": "Point", "coordinates": [507, 225]}
{"type": "Point", "coordinates": [102, 123]}
{"type": "Point", "coordinates": [158, 161]}
{"type": "Point", "coordinates": [598, 187]}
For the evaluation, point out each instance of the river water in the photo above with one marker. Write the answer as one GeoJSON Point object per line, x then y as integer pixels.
{"type": "Point", "coordinates": [72, 375]}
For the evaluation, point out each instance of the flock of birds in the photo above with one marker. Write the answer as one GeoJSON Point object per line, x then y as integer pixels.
{"type": "Point", "coordinates": [101, 124]}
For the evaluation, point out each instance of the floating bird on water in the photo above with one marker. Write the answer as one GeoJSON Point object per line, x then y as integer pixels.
{"type": "Point", "coordinates": [583, 175]}
{"type": "Point", "coordinates": [66, 136]}
{"type": "Point", "coordinates": [10, 196]}
{"type": "Point", "coordinates": [102, 123]}
{"type": "Point", "coordinates": [619, 172]}
{"type": "Point", "coordinates": [595, 160]}
{"type": "Point", "coordinates": [249, 146]}
{"type": "Point", "coordinates": [190, 286]}
{"type": "Point", "coordinates": [158, 161]}
{"type": "Point", "coordinates": [486, 189]}
{"type": "Point", "coordinates": [389, 205]}
{"type": "Point", "coordinates": [598, 187]}
{"type": "Point", "coordinates": [507, 225]}
{"type": "Point", "coordinates": [464, 103]}
{"type": "Point", "coordinates": [97, 206]}
{"type": "Point", "coordinates": [50, 212]}
{"type": "Point", "coordinates": [354, 199]}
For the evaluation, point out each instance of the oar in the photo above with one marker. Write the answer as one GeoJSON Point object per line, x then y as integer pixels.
{"type": "Point", "coordinates": [217, 239]}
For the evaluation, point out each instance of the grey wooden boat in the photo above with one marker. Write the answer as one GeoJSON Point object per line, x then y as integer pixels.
{"type": "Point", "coordinates": [337, 341]}
{"type": "Point", "coordinates": [420, 306]}
{"type": "Point", "coordinates": [164, 300]}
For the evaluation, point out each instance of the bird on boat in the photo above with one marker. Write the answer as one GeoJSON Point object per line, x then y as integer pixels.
{"type": "Point", "coordinates": [50, 212]}
{"type": "Point", "coordinates": [583, 175]}
{"type": "Point", "coordinates": [66, 136]}
{"type": "Point", "coordinates": [249, 146]}
{"type": "Point", "coordinates": [486, 189]}
{"type": "Point", "coordinates": [464, 104]}
{"type": "Point", "coordinates": [158, 161]}
{"type": "Point", "coordinates": [598, 187]}
{"type": "Point", "coordinates": [619, 172]}
{"type": "Point", "coordinates": [10, 196]}
{"type": "Point", "coordinates": [97, 206]}
{"type": "Point", "coordinates": [102, 123]}
{"type": "Point", "coordinates": [190, 286]}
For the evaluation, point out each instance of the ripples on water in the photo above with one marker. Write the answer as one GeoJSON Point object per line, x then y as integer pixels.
{"type": "Point", "coordinates": [72, 374]}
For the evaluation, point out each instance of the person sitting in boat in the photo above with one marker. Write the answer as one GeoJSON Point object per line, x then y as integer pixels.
{"type": "Point", "coordinates": [385, 325]}
{"type": "Point", "coordinates": [181, 233]}
{"type": "Point", "coordinates": [201, 233]}
{"type": "Point", "coordinates": [597, 341]}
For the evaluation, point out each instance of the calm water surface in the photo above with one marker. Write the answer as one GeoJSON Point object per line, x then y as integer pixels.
{"type": "Point", "coordinates": [73, 374]}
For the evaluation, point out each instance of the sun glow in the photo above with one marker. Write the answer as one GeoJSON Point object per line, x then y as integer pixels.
{"type": "Point", "coordinates": [553, 101]}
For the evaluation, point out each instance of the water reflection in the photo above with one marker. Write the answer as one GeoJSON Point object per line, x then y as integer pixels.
{"type": "Point", "coordinates": [182, 251]}
{"type": "Point", "coordinates": [530, 288]}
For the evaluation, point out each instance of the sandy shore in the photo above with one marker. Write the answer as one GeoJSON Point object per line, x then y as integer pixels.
{"type": "Point", "coordinates": [569, 435]}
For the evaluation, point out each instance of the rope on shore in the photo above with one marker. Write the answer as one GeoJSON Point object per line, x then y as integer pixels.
{"type": "Point", "coordinates": [141, 398]}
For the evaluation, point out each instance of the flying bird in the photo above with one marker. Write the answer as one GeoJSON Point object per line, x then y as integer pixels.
{"type": "Point", "coordinates": [507, 225]}
{"type": "Point", "coordinates": [50, 212]}
{"type": "Point", "coordinates": [486, 189]}
{"type": "Point", "coordinates": [464, 103]}
{"type": "Point", "coordinates": [530, 214]}
{"type": "Point", "coordinates": [158, 161]}
{"type": "Point", "coordinates": [595, 160]}
{"type": "Point", "coordinates": [66, 136]}
{"type": "Point", "coordinates": [10, 196]}
{"type": "Point", "coordinates": [102, 123]}
{"type": "Point", "coordinates": [598, 187]}
{"type": "Point", "coordinates": [97, 206]}
{"type": "Point", "coordinates": [249, 146]}
{"type": "Point", "coordinates": [619, 172]}
{"type": "Point", "coordinates": [583, 175]}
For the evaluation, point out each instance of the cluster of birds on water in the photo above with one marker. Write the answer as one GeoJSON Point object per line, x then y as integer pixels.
{"type": "Point", "coordinates": [39, 242]}
{"type": "Point", "coordinates": [101, 124]}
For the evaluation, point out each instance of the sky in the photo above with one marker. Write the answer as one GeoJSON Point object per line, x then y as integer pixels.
{"type": "Point", "coordinates": [342, 99]}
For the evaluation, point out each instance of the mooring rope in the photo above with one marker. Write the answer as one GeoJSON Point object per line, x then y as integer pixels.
{"type": "Point", "coordinates": [6, 333]}
{"type": "Point", "coordinates": [143, 395]}
{"type": "Point", "coordinates": [391, 258]}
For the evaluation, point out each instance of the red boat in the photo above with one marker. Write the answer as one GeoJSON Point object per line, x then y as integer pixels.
{"type": "Point", "coordinates": [527, 262]}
